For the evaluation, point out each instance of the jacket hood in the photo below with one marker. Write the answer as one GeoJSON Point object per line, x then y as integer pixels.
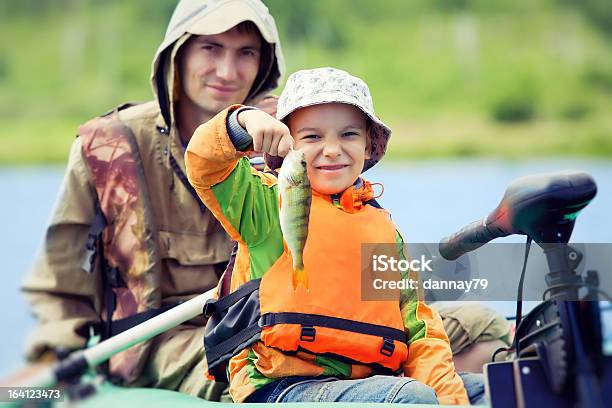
{"type": "Point", "coordinates": [208, 17]}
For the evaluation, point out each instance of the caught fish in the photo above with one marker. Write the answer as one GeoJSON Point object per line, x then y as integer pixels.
{"type": "Point", "coordinates": [295, 197]}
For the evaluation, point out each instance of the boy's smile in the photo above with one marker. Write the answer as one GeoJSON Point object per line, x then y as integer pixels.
{"type": "Point", "coordinates": [335, 140]}
{"type": "Point", "coordinates": [332, 167]}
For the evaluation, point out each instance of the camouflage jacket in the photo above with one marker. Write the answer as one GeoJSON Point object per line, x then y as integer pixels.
{"type": "Point", "coordinates": [180, 254]}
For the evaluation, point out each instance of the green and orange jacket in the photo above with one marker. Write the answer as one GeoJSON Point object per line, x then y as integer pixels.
{"type": "Point", "coordinates": [245, 201]}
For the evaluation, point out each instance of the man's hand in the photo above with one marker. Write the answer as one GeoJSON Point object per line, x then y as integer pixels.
{"type": "Point", "coordinates": [269, 135]}
{"type": "Point", "coordinates": [267, 104]}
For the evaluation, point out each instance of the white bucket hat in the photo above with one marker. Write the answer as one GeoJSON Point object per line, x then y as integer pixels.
{"type": "Point", "coordinates": [331, 85]}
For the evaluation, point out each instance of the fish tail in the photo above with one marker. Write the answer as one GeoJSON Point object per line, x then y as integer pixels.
{"type": "Point", "coordinates": [300, 277]}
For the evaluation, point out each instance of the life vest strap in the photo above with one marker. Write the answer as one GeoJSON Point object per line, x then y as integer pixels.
{"type": "Point", "coordinates": [226, 349]}
{"type": "Point", "coordinates": [121, 325]}
{"type": "Point", "coordinates": [221, 305]}
{"type": "Point", "coordinates": [312, 320]}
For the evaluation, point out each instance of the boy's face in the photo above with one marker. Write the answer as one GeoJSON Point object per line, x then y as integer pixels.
{"type": "Point", "coordinates": [335, 140]}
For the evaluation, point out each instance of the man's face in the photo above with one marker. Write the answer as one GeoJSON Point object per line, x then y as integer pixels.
{"type": "Point", "coordinates": [335, 141]}
{"type": "Point", "coordinates": [218, 70]}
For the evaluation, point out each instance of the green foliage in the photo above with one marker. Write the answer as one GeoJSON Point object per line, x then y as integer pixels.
{"type": "Point", "coordinates": [598, 11]}
{"type": "Point", "coordinates": [517, 105]}
{"type": "Point", "coordinates": [453, 5]}
{"type": "Point", "coordinates": [576, 110]}
{"type": "Point", "coordinates": [308, 22]}
{"type": "Point", "coordinates": [3, 69]}
{"type": "Point", "coordinates": [599, 76]}
{"type": "Point", "coordinates": [426, 62]}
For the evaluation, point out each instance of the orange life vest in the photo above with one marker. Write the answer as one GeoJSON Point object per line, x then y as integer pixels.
{"type": "Point", "coordinates": [330, 318]}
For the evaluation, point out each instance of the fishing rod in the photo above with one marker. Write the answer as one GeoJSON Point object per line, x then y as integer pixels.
{"type": "Point", "coordinates": [81, 360]}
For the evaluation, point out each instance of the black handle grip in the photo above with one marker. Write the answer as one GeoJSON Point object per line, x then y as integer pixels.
{"type": "Point", "coordinates": [465, 240]}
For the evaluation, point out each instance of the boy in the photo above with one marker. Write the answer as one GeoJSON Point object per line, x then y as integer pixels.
{"type": "Point", "coordinates": [323, 343]}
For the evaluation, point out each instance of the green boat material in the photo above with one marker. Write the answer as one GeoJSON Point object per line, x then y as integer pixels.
{"type": "Point", "coordinates": [109, 395]}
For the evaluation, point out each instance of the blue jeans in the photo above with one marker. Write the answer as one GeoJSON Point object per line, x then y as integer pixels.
{"type": "Point", "coordinates": [380, 388]}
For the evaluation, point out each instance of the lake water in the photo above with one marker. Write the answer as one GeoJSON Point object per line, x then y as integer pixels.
{"type": "Point", "coordinates": [428, 200]}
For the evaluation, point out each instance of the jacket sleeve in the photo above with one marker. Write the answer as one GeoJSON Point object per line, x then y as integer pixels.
{"type": "Point", "coordinates": [243, 199]}
{"type": "Point", "coordinates": [430, 359]}
{"type": "Point", "coordinates": [61, 294]}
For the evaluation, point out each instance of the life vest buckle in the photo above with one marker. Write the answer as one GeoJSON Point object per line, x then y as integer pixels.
{"type": "Point", "coordinates": [209, 308]}
{"type": "Point", "coordinates": [388, 347]}
{"type": "Point", "coordinates": [114, 278]}
{"type": "Point", "coordinates": [308, 333]}
{"type": "Point", "coordinates": [91, 242]}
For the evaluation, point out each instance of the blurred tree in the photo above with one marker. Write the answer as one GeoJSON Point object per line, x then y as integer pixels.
{"type": "Point", "coordinates": [3, 68]}
{"type": "Point", "coordinates": [515, 105]}
{"type": "Point", "coordinates": [452, 5]}
{"type": "Point", "coordinates": [598, 11]}
{"type": "Point", "coordinates": [35, 7]}
{"type": "Point", "coordinates": [295, 17]}
{"type": "Point", "coordinates": [309, 21]}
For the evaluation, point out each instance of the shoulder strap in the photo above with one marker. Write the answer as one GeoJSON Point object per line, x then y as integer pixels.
{"type": "Point", "coordinates": [183, 178]}
{"type": "Point", "coordinates": [93, 239]}
{"type": "Point", "coordinates": [119, 108]}
{"type": "Point", "coordinates": [111, 152]}
{"type": "Point", "coordinates": [122, 235]}
{"type": "Point", "coordinates": [226, 278]}
{"type": "Point", "coordinates": [95, 250]}
{"type": "Point", "coordinates": [111, 279]}
{"type": "Point", "coordinates": [121, 325]}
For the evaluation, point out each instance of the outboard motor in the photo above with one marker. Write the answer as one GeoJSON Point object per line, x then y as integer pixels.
{"type": "Point", "coordinates": [544, 207]}
{"type": "Point", "coordinates": [559, 342]}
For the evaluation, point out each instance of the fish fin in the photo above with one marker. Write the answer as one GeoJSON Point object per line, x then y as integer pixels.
{"type": "Point", "coordinates": [300, 277]}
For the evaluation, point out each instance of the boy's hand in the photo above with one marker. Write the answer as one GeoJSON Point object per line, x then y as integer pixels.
{"type": "Point", "coordinates": [269, 135]}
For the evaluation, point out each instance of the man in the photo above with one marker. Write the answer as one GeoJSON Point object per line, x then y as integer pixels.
{"type": "Point", "coordinates": [128, 236]}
